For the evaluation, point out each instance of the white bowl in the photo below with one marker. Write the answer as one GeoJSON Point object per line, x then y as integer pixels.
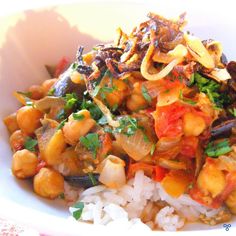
{"type": "Point", "coordinates": [30, 39]}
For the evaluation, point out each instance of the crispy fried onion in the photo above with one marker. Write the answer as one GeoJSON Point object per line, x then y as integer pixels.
{"type": "Point", "coordinates": [177, 55]}
{"type": "Point", "coordinates": [198, 51]}
{"type": "Point", "coordinates": [106, 112]}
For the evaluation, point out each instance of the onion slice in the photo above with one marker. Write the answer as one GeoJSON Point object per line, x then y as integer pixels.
{"type": "Point", "coordinates": [107, 113]}
{"type": "Point", "coordinates": [147, 62]}
{"type": "Point", "coordinates": [198, 51]}
{"type": "Point", "coordinates": [135, 145]}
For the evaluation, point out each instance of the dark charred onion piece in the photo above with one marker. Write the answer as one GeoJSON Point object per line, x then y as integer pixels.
{"type": "Point", "coordinates": [223, 130]}
{"type": "Point", "coordinates": [64, 85]}
{"type": "Point", "coordinates": [82, 181]}
{"type": "Point", "coordinates": [82, 68]}
{"type": "Point", "coordinates": [223, 59]}
{"type": "Point", "coordinates": [231, 68]}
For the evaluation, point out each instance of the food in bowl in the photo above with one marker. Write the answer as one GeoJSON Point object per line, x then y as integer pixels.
{"type": "Point", "coordinates": [143, 130]}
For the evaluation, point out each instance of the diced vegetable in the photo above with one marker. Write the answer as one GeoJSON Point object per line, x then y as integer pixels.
{"type": "Point", "coordinates": [112, 172]}
{"type": "Point", "coordinates": [175, 183]}
{"type": "Point", "coordinates": [11, 123]}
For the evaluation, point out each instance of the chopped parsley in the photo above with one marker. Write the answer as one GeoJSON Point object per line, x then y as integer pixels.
{"type": "Point", "coordinates": [30, 144]}
{"type": "Point", "coordinates": [146, 95]}
{"type": "Point", "coordinates": [232, 111]}
{"type": "Point", "coordinates": [71, 100]}
{"type": "Point", "coordinates": [51, 91]}
{"type": "Point", "coordinates": [91, 142]}
{"type": "Point", "coordinates": [102, 91]}
{"type": "Point", "coordinates": [61, 124]}
{"type": "Point", "coordinates": [215, 150]}
{"type": "Point", "coordinates": [79, 206]}
{"type": "Point", "coordinates": [77, 116]}
{"type": "Point", "coordinates": [128, 126]}
{"type": "Point", "coordinates": [92, 108]}
{"type": "Point", "coordinates": [211, 89]}
{"type": "Point", "coordinates": [186, 100]}
{"type": "Point", "coordinates": [92, 179]}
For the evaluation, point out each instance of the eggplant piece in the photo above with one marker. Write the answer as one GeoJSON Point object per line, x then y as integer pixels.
{"type": "Point", "coordinates": [65, 85]}
{"type": "Point", "coordinates": [223, 130]}
{"type": "Point", "coordinates": [83, 181]}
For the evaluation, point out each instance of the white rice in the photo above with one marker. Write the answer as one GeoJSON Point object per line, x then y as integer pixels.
{"type": "Point", "coordinates": [108, 206]}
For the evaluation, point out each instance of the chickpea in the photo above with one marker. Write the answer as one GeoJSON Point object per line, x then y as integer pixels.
{"type": "Point", "coordinates": [24, 164]}
{"type": "Point", "coordinates": [36, 91]}
{"type": "Point", "coordinates": [48, 183]}
{"type": "Point", "coordinates": [74, 129]}
{"type": "Point", "coordinates": [47, 84]}
{"type": "Point", "coordinates": [116, 97]}
{"type": "Point", "coordinates": [17, 140]}
{"type": "Point", "coordinates": [28, 119]}
{"type": "Point", "coordinates": [193, 125]}
{"type": "Point", "coordinates": [136, 101]}
{"type": "Point", "coordinates": [211, 179]}
{"type": "Point", "coordinates": [11, 123]}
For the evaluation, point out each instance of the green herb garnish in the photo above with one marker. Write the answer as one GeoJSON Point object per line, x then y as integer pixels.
{"type": "Point", "coordinates": [30, 144]}
{"type": "Point", "coordinates": [92, 108]}
{"type": "Point", "coordinates": [215, 150]}
{"type": "Point", "coordinates": [71, 100]}
{"type": "Point", "coordinates": [91, 142]}
{"type": "Point", "coordinates": [51, 91]}
{"type": "Point", "coordinates": [128, 126]}
{"type": "Point", "coordinates": [186, 100]}
{"type": "Point", "coordinates": [211, 89]}
{"type": "Point", "coordinates": [79, 209]}
{"type": "Point", "coordinates": [232, 111]}
{"type": "Point", "coordinates": [61, 124]}
{"type": "Point", "coordinates": [92, 178]}
{"type": "Point", "coordinates": [145, 94]}
{"type": "Point", "coordinates": [78, 116]}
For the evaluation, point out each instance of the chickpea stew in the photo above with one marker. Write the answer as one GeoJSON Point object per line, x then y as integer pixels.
{"type": "Point", "coordinates": [159, 100]}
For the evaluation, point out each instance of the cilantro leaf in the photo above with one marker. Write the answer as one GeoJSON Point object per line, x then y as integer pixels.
{"type": "Point", "coordinates": [61, 124]}
{"type": "Point", "coordinates": [92, 108]}
{"type": "Point", "coordinates": [78, 116]}
{"type": "Point", "coordinates": [232, 111]}
{"type": "Point", "coordinates": [146, 95]}
{"type": "Point", "coordinates": [186, 100]}
{"type": "Point", "coordinates": [128, 126]}
{"type": "Point", "coordinates": [30, 144]}
{"type": "Point", "coordinates": [211, 89]}
{"type": "Point", "coordinates": [221, 148]}
{"type": "Point", "coordinates": [79, 209]}
{"type": "Point", "coordinates": [92, 178]}
{"type": "Point", "coordinates": [91, 142]}
{"type": "Point", "coordinates": [71, 100]}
